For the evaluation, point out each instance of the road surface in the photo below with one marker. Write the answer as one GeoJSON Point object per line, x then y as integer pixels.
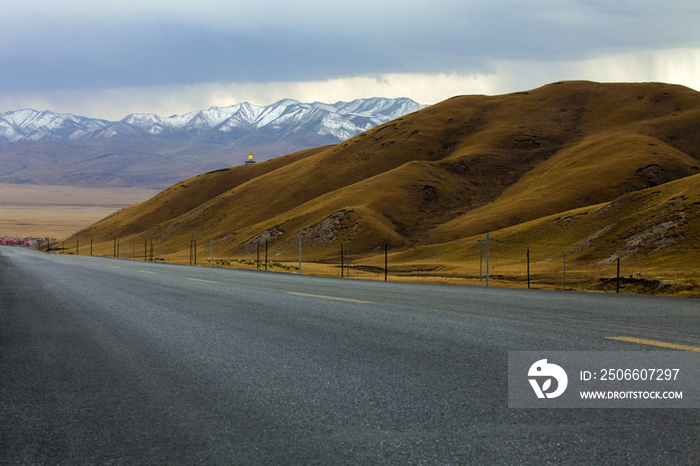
{"type": "Point", "coordinates": [107, 361]}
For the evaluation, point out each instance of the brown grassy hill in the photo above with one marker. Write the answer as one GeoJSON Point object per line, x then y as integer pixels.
{"type": "Point", "coordinates": [654, 230]}
{"type": "Point", "coordinates": [460, 168]}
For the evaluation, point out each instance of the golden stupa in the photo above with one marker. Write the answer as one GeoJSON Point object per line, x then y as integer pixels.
{"type": "Point", "coordinates": [250, 158]}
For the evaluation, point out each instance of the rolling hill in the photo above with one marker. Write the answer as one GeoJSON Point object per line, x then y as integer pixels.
{"type": "Point", "coordinates": [597, 171]}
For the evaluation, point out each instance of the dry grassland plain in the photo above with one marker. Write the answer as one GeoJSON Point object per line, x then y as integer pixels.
{"type": "Point", "coordinates": [59, 211]}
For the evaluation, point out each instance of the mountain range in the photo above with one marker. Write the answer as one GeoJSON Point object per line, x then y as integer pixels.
{"type": "Point", "coordinates": [148, 150]}
{"type": "Point", "coordinates": [588, 171]}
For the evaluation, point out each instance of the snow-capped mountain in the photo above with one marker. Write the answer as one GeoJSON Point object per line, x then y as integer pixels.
{"type": "Point", "coordinates": [287, 118]}
{"type": "Point", "coordinates": [30, 125]}
{"type": "Point", "coordinates": [147, 150]}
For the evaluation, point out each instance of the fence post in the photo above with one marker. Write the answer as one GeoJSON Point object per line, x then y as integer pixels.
{"type": "Point", "coordinates": [265, 254]}
{"type": "Point", "coordinates": [386, 260]}
{"type": "Point", "coordinates": [618, 275]}
{"type": "Point", "coordinates": [481, 255]}
{"type": "Point", "coordinates": [211, 249]}
{"type": "Point", "coordinates": [528, 268]}
{"type": "Point", "coordinates": [300, 249]}
{"type": "Point", "coordinates": [563, 283]}
{"type": "Point", "coordinates": [487, 257]}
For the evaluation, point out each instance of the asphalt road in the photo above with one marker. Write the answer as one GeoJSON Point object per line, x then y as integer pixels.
{"type": "Point", "coordinates": [106, 361]}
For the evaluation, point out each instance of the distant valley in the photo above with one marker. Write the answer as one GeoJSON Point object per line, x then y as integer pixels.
{"type": "Point", "coordinates": [145, 150]}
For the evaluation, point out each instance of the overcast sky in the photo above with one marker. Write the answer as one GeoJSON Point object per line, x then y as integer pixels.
{"type": "Point", "coordinates": [106, 59]}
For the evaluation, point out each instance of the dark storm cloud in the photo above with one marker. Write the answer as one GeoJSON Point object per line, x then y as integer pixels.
{"type": "Point", "coordinates": [77, 44]}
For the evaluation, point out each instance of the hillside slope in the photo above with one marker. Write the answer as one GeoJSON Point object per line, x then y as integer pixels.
{"type": "Point", "coordinates": [460, 168]}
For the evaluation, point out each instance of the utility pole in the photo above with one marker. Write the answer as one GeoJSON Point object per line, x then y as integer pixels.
{"type": "Point", "coordinates": [487, 242]}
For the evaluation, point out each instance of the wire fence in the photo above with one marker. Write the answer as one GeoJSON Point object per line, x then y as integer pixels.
{"type": "Point", "coordinates": [484, 264]}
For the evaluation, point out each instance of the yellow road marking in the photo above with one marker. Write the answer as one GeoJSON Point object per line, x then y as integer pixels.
{"type": "Point", "coordinates": [329, 297]}
{"type": "Point", "coordinates": [200, 280]}
{"type": "Point", "coordinates": [655, 343]}
{"type": "Point", "coordinates": [145, 271]}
